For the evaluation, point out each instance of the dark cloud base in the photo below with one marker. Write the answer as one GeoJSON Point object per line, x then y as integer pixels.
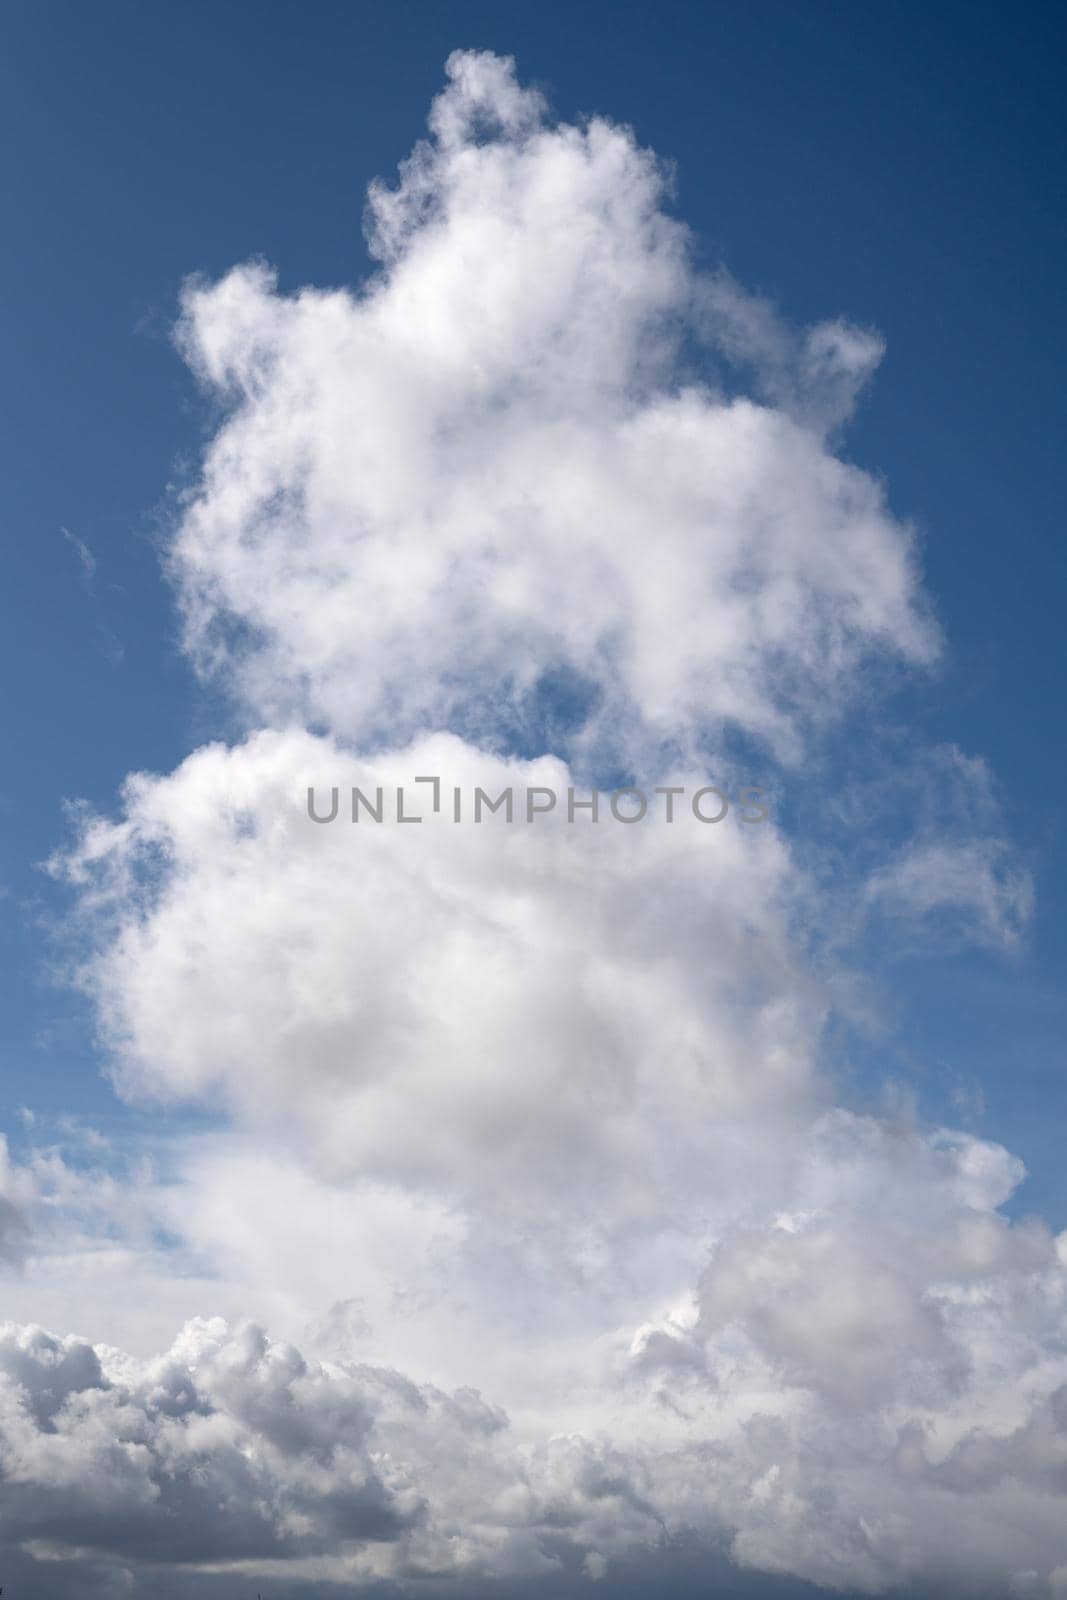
{"type": "Point", "coordinates": [682, 1569]}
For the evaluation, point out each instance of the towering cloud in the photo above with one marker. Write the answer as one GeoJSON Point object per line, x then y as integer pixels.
{"type": "Point", "coordinates": [502, 463]}
{"type": "Point", "coordinates": [526, 1136]}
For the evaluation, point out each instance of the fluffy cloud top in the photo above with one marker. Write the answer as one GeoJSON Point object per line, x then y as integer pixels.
{"type": "Point", "coordinates": [496, 464]}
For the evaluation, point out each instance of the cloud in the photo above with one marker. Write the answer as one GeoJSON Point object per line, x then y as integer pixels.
{"type": "Point", "coordinates": [230, 1451]}
{"type": "Point", "coordinates": [921, 853]}
{"type": "Point", "coordinates": [458, 1002]}
{"type": "Point", "coordinates": [497, 457]}
{"type": "Point", "coordinates": [873, 1398]}
{"type": "Point", "coordinates": [108, 643]}
{"type": "Point", "coordinates": [539, 1110]}
{"type": "Point", "coordinates": [227, 1447]}
{"type": "Point", "coordinates": [815, 377]}
{"type": "Point", "coordinates": [86, 559]}
{"type": "Point", "coordinates": [16, 1190]}
{"type": "Point", "coordinates": [973, 892]}
{"type": "Point", "coordinates": [522, 1133]}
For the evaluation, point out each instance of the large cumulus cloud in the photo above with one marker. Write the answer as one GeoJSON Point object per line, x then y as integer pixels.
{"type": "Point", "coordinates": [496, 464]}
{"type": "Point", "coordinates": [526, 1134]}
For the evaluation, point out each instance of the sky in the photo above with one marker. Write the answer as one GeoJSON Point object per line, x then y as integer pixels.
{"type": "Point", "coordinates": [724, 1164]}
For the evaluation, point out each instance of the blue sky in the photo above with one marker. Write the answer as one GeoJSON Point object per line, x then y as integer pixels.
{"type": "Point", "coordinates": [901, 165]}
{"type": "Point", "coordinates": [672, 1187]}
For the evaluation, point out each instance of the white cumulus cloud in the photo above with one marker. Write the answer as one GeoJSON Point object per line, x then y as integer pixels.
{"type": "Point", "coordinates": [493, 465]}
{"type": "Point", "coordinates": [524, 1136]}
